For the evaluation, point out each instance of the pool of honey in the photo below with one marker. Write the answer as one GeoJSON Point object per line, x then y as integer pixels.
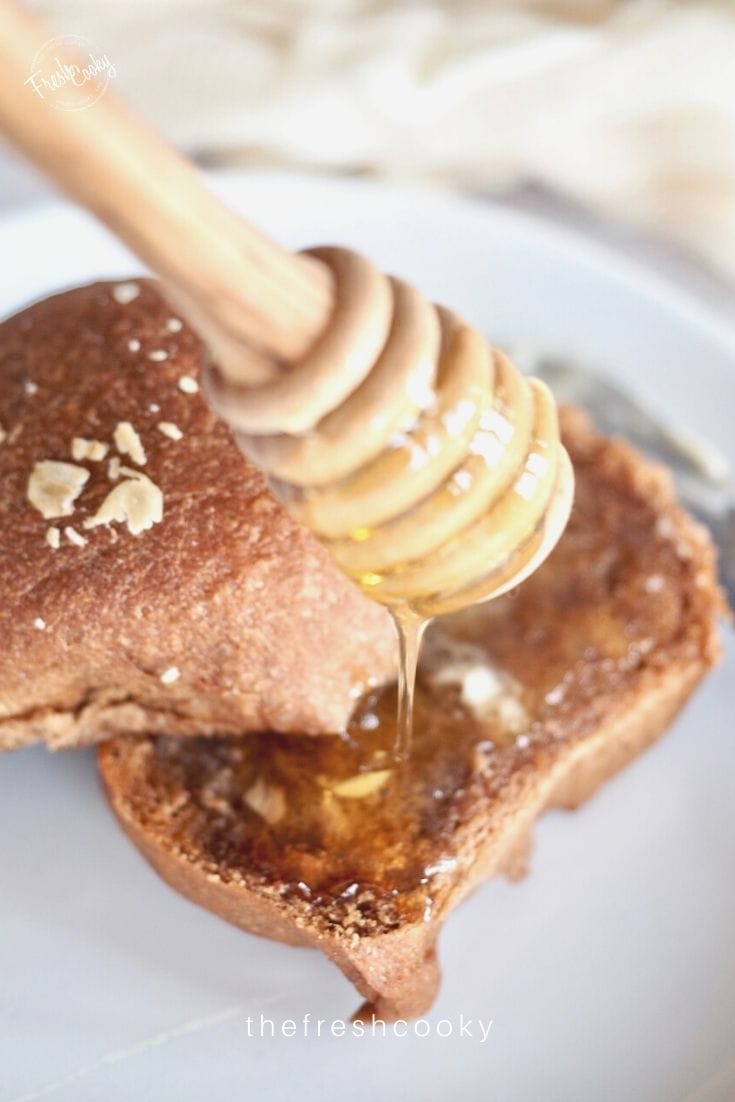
{"type": "Point", "coordinates": [351, 829]}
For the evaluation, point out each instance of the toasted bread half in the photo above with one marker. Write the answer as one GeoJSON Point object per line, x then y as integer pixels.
{"type": "Point", "coordinates": [223, 616]}
{"type": "Point", "coordinates": [525, 703]}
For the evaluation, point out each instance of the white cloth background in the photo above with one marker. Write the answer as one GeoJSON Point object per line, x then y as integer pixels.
{"type": "Point", "coordinates": [626, 107]}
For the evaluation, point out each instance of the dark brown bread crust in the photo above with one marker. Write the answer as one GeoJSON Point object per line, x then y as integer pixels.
{"type": "Point", "coordinates": [607, 640]}
{"type": "Point", "coordinates": [265, 630]}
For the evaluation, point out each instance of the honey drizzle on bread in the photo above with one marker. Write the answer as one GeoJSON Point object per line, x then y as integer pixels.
{"type": "Point", "coordinates": [421, 458]}
{"type": "Point", "coordinates": [596, 662]}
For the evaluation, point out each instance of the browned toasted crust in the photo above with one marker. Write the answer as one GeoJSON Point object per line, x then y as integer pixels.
{"type": "Point", "coordinates": [608, 640]}
{"type": "Point", "coordinates": [265, 630]}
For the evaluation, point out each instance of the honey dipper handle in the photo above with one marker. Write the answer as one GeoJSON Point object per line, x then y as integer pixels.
{"type": "Point", "coordinates": [241, 290]}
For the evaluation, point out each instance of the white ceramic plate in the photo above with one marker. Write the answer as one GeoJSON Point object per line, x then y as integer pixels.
{"type": "Point", "coordinates": [609, 973]}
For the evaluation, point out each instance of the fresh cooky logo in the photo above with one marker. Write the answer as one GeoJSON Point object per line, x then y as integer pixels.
{"type": "Point", "coordinates": [70, 83]}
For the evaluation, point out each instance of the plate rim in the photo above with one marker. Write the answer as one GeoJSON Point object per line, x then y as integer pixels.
{"type": "Point", "coordinates": [585, 247]}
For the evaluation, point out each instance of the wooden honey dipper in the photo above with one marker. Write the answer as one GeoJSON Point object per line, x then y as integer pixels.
{"type": "Point", "coordinates": [420, 456]}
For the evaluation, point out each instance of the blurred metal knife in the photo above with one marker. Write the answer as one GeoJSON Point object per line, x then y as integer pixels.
{"type": "Point", "coordinates": [701, 473]}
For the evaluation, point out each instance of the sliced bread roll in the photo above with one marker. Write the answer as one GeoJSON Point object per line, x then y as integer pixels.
{"type": "Point", "coordinates": [528, 702]}
{"type": "Point", "coordinates": [149, 580]}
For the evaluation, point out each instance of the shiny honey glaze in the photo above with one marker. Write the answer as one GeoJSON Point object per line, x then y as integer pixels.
{"type": "Point", "coordinates": [504, 688]}
{"type": "Point", "coordinates": [337, 824]}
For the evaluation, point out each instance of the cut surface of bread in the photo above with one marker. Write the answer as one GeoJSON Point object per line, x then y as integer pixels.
{"type": "Point", "coordinates": [223, 617]}
{"type": "Point", "coordinates": [528, 702]}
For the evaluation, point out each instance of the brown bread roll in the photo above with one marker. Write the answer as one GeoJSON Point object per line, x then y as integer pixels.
{"type": "Point", "coordinates": [223, 617]}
